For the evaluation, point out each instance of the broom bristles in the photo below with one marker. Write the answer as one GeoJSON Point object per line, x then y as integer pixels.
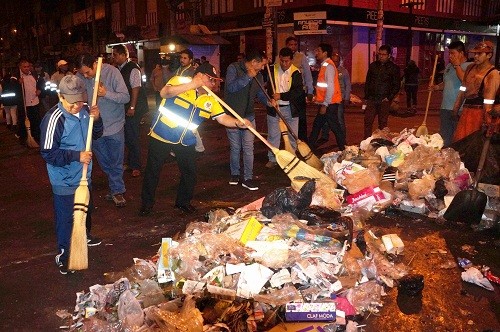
{"type": "Point", "coordinates": [78, 253]}
{"type": "Point", "coordinates": [294, 167]}
{"type": "Point", "coordinates": [285, 136]}
{"type": "Point", "coordinates": [309, 157]}
{"type": "Point", "coordinates": [30, 142]}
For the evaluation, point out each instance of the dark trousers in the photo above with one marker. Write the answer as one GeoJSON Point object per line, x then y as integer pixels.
{"type": "Point", "coordinates": [132, 141]}
{"type": "Point", "coordinates": [331, 117]}
{"type": "Point", "coordinates": [63, 212]}
{"type": "Point", "coordinates": [376, 108]}
{"type": "Point", "coordinates": [302, 132]}
{"type": "Point", "coordinates": [186, 161]}
{"type": "Point", "coordinates": [35, 120]}
{"type": "Point", "coordinates": [411, 95]}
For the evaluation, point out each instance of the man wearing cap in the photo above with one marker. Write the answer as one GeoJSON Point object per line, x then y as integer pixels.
{"type": "Point", "coordinates": [63, 141]}
{"type": "Point", "coordinates": [477, 92]}
{"type": "Point", "coordinates": [135, 109]}
{"type": "Point", "coordinates": [113, 95]}
{"type": "Point", "coordinates": [62, 70]}
{"type": "Point", "coordinates": [180, 113]}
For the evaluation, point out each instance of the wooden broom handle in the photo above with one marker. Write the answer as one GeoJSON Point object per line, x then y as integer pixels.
{"type": "Point", "coordinates": [431, 82]}
{"type": "Point", "coordinates": [91, 119]}
{"type": "Point", "coordinates": [237, 116]}
{"type": "Point", "coordinates": [270, 78]}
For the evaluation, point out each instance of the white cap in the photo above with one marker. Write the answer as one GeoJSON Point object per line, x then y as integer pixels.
{"type": "Point", "coordinates": [61, 63]}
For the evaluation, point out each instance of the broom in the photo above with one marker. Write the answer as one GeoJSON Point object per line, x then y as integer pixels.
{"type": "Point", "coordinates": [298, 171]}
{"type": "Point", "coordinates": [284, 135]}
{"type": "Point", "coordinates": [30, 141]}
{"type": "Point", "coordinates": [304, 149]}
{"type": "Point", "coordinates": [422, 130]}
{"type": "Point", "coordinates": [78, 252]}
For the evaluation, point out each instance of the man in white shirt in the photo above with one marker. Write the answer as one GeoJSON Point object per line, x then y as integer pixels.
{"type": "Point", "coordinates": [30, 103]}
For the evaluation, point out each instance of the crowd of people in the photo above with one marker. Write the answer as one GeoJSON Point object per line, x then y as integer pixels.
{"type": "Point", "coordinates": [183, 97]}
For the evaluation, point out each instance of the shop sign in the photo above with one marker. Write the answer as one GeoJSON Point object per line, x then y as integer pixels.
{"type": "Point", "coordinates": [309, 23]}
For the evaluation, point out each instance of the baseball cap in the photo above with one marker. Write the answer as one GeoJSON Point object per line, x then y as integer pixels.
{"type": "Point", "coordinates": [484, 46]}
{"type": "Point", "coordinates": [72, 88]}
{"type": "Point", "coordinates": [61, 63]}
{"type": "Point", "coordinates": [208, 70]}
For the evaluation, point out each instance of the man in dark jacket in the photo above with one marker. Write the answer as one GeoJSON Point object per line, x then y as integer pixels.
{"type": "Point", "coordinates": [135, 109]}
{"type": "Point", "coordinates": [382, 85]}
{"type": "Point", "coordinates": [240, 92]}
{"type": "Point", "coordinates": [287, 81]}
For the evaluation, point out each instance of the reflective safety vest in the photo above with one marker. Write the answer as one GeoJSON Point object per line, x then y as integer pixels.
{"type": "Point", "coordinates": [322, 85]}
{"type": "Point", "coordinates": [277, 79]}
{"type": "Point", "coordinates": [178, 117]}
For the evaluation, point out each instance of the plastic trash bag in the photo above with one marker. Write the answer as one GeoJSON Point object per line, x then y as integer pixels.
{"type": "Point", "coordinates": [284, 200]}
{"type": "Point", "coordinates": [130, 311]}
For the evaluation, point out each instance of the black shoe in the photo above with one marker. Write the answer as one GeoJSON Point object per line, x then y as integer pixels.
{"type": "Point", "coordinates": [235, 179]}
{"type": "Point", "coordinates": [188, 209]}
{"type": "Point", "coordinates": [93, 241]}
{"type": "Point", "coordinates": [250, 185]}
{"type": "Point", "coordinates": [145, 211]}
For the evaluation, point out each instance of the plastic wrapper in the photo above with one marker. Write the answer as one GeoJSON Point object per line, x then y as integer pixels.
{"type": "Point", "coordinates": [325, 196]}
{"type": "Point", "coordinates": [215, 216]}
{"type": "Point", "coordinates": [277, 297]}
{"type": "Point", "coordinates": [188, 319]}
{"type": "Point", "coordinates": [473, 275]}
{"type": "Point", "coordinates": [366, 296]}
{"type": "Point", "coordinates": [421, 187]}
{"type": "Point", "coordinates": [198, 254]}
{"type": "Point", "coordinates": [94, 324]}
{"type": "Point", "coordinates": [362, 179]}
{"type": "Point", "coordinates": [142, 269]}
{"type": "Point", "coordinates": [197, 228]}
{"type": "Point", "coordinates": [130, 311]}
{"type": "Point", "coordinates": [150, 293]}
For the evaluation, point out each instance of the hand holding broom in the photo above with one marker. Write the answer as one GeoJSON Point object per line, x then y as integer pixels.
{"type": "Point", "coordinates": [78, 253]}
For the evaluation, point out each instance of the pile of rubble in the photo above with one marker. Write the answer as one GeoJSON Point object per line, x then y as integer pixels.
{"type": "Point", "coordinates": [288, 257]}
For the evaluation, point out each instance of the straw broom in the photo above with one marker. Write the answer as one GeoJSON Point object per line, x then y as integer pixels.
{"type": "Point", "coordinates": [78, 253]}
{"type": "Point", "coordinates": [30, 141]}
{"type": "Point", "coordinates": [422, 130]}
{"type": "Point", "coordinates": [284, 135]}
{"type": "Point", "coordinates": [297, 170]}
{"type": "Point", "coordinates": [304, 149]}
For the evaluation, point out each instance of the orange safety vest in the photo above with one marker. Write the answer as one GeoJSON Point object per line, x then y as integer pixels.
{"type": "Point", "coordinates": [322, 85]}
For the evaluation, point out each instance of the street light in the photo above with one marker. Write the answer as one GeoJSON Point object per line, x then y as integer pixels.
{"type": "Point", "coordinates": [410, 5]}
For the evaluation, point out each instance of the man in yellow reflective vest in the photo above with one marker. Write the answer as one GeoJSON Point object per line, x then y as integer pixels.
{"type": "Point", "coordinates": [328, 97]}
{"type": "Point", "coordinates": [172, 129]}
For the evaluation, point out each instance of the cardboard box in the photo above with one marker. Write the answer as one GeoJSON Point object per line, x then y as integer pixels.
{"type": "Point", "coordinates": [165, 273]}
{"type": "Point", "coordinates": [315, 312]}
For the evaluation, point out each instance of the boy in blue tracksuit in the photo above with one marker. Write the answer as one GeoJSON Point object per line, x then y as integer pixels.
{"type": "Point", "coordinates": [63, 137]}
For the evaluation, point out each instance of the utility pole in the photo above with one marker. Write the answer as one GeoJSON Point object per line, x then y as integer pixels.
{"type": "Point", "coordinates": [410, 4]}
{"type": "Point", "coordinates": [380, 23]}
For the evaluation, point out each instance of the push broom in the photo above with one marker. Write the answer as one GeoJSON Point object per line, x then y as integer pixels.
{"type": "Point", "coordinates": [30, 141]}
{"type": "Point", "coordinates": [78, 252]}
{"type": "Point", "coordinates": [422, 130]}
{"type": "Point", "coordinates": [293, 167]}
{"type": "Point", "coordinates": [304, 149]}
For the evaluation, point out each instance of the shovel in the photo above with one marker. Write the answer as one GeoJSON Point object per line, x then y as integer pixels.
{"type": "Point", "coordinates": [422, 130]}
{"type": "Point", "coordinates": [468, 205]}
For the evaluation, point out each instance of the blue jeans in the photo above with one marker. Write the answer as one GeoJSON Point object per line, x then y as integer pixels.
{"type": "Point", "coordinates": [241, 141]}
{"type": "Point", "coordinates": [109, 152]}
{"type": "Point", "coordinates": [447, 126]}
{"type": "Point", "coordinates": [273, 130]}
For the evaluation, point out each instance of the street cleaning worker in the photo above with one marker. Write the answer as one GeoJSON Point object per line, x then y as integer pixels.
{"type": "Point", "coordinates": [172, 129]}
{"type": "Point", "coordinates": [63, 137]}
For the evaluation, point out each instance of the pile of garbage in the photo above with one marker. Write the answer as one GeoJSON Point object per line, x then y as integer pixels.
{"type": "Point", "coordinates": [290, 256]}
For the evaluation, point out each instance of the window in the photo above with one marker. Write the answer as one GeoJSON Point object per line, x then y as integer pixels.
{"type": "Point", "coordinates": [472, 7]}
{"type": "Point", "coordinates": [115, 17]}
{"type": "Point", "coordinates": [445, 6]}
{"type": "Point", "coordinates": [213, 7]}
{"type": "Point", "coordinates": [152, 14]}
{"type": "Point", "coordinates": [129, 12]}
